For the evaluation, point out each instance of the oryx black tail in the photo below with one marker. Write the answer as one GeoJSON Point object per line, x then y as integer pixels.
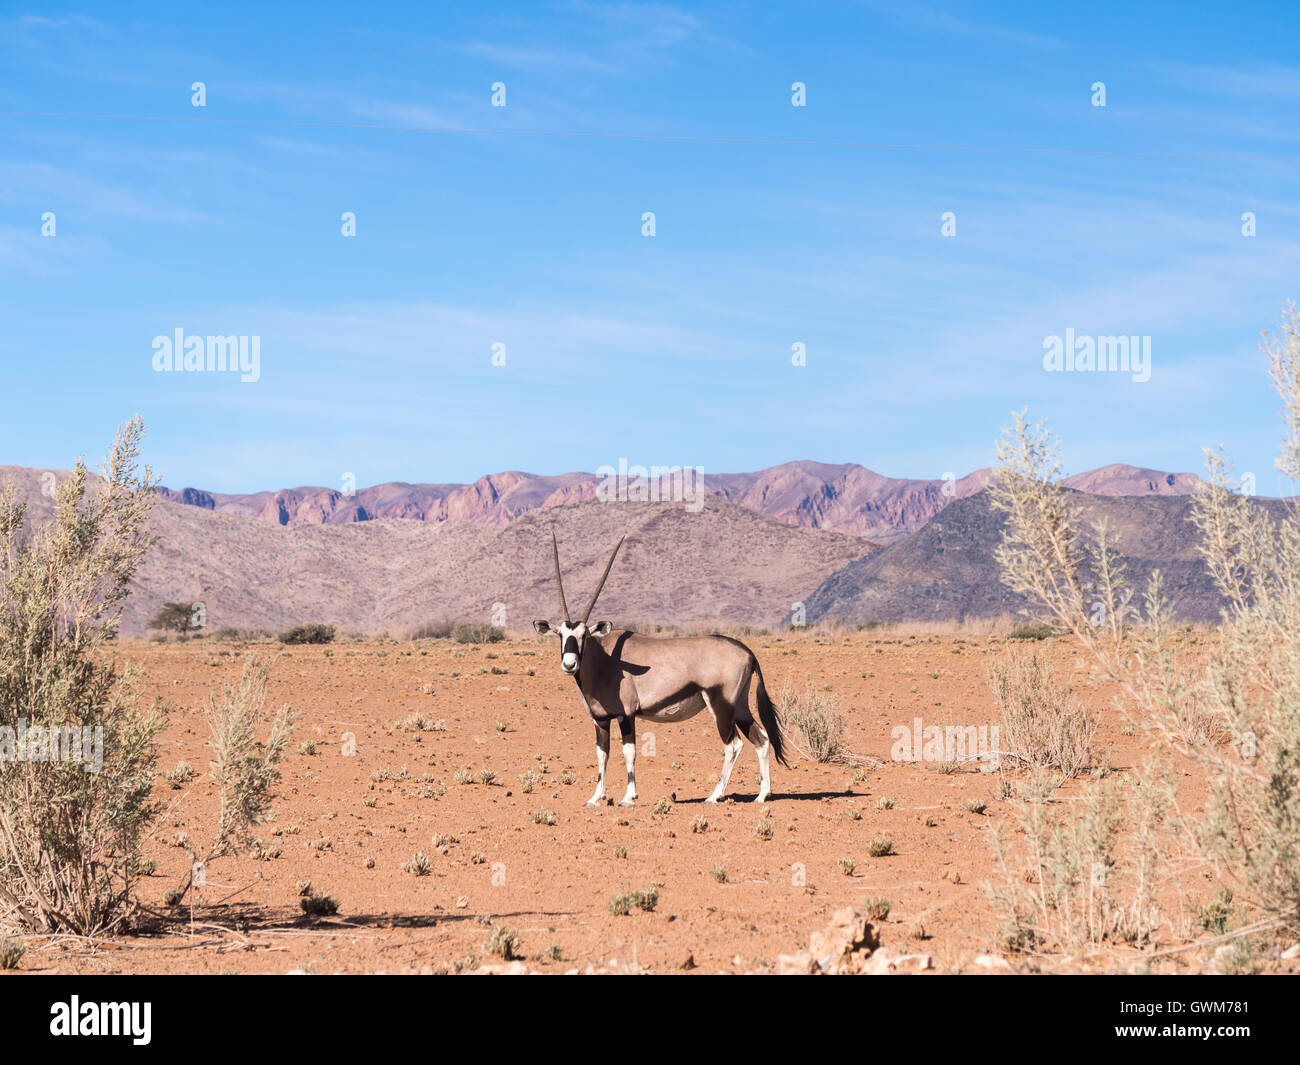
{"type": "Point", "coordinates": [767, 714]}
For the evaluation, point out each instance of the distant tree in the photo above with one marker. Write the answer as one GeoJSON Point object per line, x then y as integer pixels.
{"type": "Point", "coordinates": [174, 617]}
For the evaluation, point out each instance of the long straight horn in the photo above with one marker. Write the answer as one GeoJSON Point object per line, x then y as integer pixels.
{"type": "Point", "coordinates": [596, 594]}
{"type": "Point", "coordinates": [564, 607]}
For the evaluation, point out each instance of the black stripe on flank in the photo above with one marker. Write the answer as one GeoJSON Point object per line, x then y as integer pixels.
{"type": "Point", "coordinates": [685, 692]}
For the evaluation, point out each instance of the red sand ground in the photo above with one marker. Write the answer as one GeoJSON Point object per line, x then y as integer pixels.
{"type": "Point", "coordinates": [509, 710]}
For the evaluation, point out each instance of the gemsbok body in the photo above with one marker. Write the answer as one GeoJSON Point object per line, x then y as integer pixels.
{"type": "Point", "coordinates": [622, 676]}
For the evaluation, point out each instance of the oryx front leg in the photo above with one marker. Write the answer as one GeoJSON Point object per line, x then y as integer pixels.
{"type": "Point", "coordinates": [730, 752]}
{"type": "Point", "coordinates": [627, 726]}
{"type": "Point", "coordinates": [602, 759]}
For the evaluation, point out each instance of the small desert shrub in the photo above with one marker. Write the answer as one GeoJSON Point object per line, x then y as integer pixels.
{"type": "Point", "coordinates": [477, 633]}
{"type": "Point", "coordinates": [622, 905]}
{"type": "Point", "coordinates": [719, 874]}
{"type": "Point", "coordinates": [1214, 915]}
{"type": "Point", "coordinates": [1083, 875]}
{"type": "Point", "coordinates": [420, 723]}
{"type": "Point", "coordinates": [1237, 957]}
{"type": "Point", "coordinates": [763, 830]}
{"type": "Point", "coordinates": [70, 842]}
{"type": "Point", "coordinates": [180, 776]}
{"type": "Point", "coordinates": [877, 908]}
{"type": "Point", "coordinates": [1042, 725]}
{"type": "Point", "coordinates": [503, 942]}
{"type": "Point", "coordinates": [418, 864]}
{"type": "Point", "coordinates": [1247, 693]}
{"type": "Point", "coordinates": [814, 721]}
{"type": "Point", "coordinates": [143, 867]}
{"type": "Point", "coordinates": [886, 802]}
{"type": "Point", "coordinates": [975, 806]}
{"type": "Point", "coordinates": [662, 807]}
{"type": "Point", "coordinates": [229, 634]}
{"type": "Point", "coordinates": [847, 865]}
{"type": "Point", "coordinates": [880, 846]}
{"type": "Point", "coordinates": [314, 905]}
{"type": "Point", "coordinates": [543, 817]}
{"type": "Point", "coordinates": [244, 768]}
{"type": "Point", "coordinates": [1035, 630]}
{"type": "Point", "coordinates": [311, 633]}
{"type": "Point", "coordinates": [431, 630]}
{"type": "Point", "coordinates": [11, 952]}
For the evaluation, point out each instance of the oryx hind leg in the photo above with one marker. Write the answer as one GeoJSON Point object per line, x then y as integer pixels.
{"type": "Point", "coordinates": [725, 718]}
{"type": "Point", "coordinates": [763, 747]}
{"type": "Point", "coordinates": [750, 727]}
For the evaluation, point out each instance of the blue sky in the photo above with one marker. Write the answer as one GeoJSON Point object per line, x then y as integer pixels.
{"type": "Point", "coordinates": [672, 349]}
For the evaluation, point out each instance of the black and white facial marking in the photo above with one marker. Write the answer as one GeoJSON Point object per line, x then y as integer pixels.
{"type": "Point", "coordinates": [573, 639]}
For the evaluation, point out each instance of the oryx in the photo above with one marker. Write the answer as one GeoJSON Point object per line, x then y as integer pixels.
{"type": "Point", "coordinates": [622, 676]}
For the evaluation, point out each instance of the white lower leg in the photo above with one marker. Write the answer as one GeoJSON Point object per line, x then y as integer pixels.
{"type": "Point", "coordinates": [729, 755]}
{"type": "Point", "coordinates": [764, 748]}
{"type": "Point", "coordinates": [602, 758]}
{"type": "Point", "coordinates": [629, 756]}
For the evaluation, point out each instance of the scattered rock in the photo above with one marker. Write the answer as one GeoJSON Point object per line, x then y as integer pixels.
{"type": "Point", "coordinates": [512, 968]}
{"type": "Point", "coordinates": [688, 962]}
{"type": "Point", "coordinates": [800, 964]}
{"type": "Point", "coordinates": [918, 962]}
{"type": "Point", "coordinates": [882, 963]}
{"type": "Point", "coordinates": [1291, 952]}
{"type": "Point", "coordinates": [991, 961]}
{"type": "Point", "coordinates": [845, 944]}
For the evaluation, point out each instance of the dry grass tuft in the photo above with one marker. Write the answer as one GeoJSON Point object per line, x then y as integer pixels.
{"type": "Point", "coordinates": [813, 722]}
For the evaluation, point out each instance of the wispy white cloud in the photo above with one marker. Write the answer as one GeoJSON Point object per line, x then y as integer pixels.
{"type": "Point", "coordinates": [46, 186]}
{"type": "Point", "coordinates": [59, 22]}
{"type": "Point", "coordinates": [655, 25]}
{"type": "Point", "coordinates": [935, 19]}
{"type": "Point", "coordinates": [606, 39]}
{"type": "Point", "coordinates": [548, 60]}
{"type": "Point", "coordinates": [1257, 81]}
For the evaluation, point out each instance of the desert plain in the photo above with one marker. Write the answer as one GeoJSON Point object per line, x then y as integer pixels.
{"type": "Point", "coordinates": [489, 787]}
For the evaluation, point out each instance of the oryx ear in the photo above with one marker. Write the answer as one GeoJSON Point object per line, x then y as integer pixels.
{"type": "Point", "coordinates": [601, 628]}
{"type": "Point", "coordinates": [541, 627]}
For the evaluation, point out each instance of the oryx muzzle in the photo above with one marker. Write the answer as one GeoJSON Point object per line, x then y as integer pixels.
{"type": "Point", "coordinates": [622, 676]}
